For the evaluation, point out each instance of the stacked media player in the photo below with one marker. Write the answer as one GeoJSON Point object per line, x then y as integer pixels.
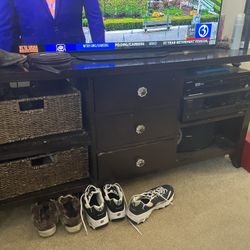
{"type": "Point", "coordinates": [210, 93]}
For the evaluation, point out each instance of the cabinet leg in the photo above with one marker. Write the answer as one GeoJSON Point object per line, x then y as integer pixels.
{"type": "Point", "coordinates": [235, 161]}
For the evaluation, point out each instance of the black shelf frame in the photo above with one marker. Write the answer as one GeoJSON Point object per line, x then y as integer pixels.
{"type": "Point", "coordinates": [43, 145]}
{"type": "Point", "coordinates": [84, 73]}
{"type": "Point", "coordinates": [180, 60]}
{"type": "Point", "coordinates": [213, 119]}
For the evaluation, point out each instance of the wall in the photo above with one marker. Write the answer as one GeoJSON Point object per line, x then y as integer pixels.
{"type": "Point", "coordinates": [231, 8]}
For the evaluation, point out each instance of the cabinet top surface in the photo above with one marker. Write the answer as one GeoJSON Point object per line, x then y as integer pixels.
{"type": "Point", "coordinates": [177, 60]}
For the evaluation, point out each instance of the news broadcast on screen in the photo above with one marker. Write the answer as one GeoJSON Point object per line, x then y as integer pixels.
{"type": "Point", "coordinates": [91, 25]}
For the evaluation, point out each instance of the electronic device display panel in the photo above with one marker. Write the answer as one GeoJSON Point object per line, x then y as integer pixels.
{"type": "Point", "coordinates": [28, 26]}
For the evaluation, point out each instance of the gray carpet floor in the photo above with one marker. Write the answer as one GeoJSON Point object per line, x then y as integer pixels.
{"type": "Point", "coordinates": [211, 211]}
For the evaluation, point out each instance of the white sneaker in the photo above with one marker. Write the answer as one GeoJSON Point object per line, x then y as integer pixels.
{"type": "Point", "coordinates": [115, 201]}
{"type": "Point", "coordinates": [95, 207]}
{"type": "Point", "coordinates": [142, 205]}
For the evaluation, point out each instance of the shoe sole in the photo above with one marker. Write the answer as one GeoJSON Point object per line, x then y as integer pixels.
{"type": "Point", "coordinates": [47, 233]}
{"type": "Point", "coordinates": [74, 229]}
{"type": "Point", "coordinates": [143, 217]}
{"type": "Point", "coordinates": [97, 223]}
{"type": "Point", "coordinates": [114, 216]}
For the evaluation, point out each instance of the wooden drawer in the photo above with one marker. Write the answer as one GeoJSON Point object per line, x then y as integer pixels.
{"type": "Point", "coordinates": [136, 161]}
{"type": "Point", "coordinates": [125, 129]}
{"type": "Point", "coordinates": [135, 91]}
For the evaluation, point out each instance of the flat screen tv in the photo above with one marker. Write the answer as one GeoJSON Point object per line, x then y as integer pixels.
{"type": "Point", "coordinates": [96, 25]}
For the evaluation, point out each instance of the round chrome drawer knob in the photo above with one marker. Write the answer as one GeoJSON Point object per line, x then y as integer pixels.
{"type": "Point", "coordinates": [140, 163]}
{"type": "Point", "coordinates": [140, 129]}
{"type": "Point", "coordinates": [142, 92]}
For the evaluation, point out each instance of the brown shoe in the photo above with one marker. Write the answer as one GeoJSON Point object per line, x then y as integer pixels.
{"type": "Point", "coordinates": [45, 217]}
{"type": "Point", "coordinates": [69, 207]}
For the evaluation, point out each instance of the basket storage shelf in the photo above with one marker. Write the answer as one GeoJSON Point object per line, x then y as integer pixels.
{"type": "Point", "coordinates": [40, 172]}
{"type": "Point", "coordinates": [36, 116]}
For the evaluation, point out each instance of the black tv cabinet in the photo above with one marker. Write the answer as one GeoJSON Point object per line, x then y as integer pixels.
{"type": "Point", "coordinates": [132, 117]}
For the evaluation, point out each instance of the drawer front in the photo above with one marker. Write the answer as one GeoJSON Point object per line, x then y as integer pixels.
{"type": "Point", "coordinates": [136, 161]}
{"type": "Point", "coordinates": [120, 93]}
{"type": "Point", "coordinates": [125, 129]}
{"type": "Point", "coordinates": [41, 172]}
{"type": "Point", "coordinates": [40, 116]}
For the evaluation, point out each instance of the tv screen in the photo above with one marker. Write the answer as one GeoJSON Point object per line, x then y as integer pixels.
{"type": "Point", "coordinates": [92, 25]}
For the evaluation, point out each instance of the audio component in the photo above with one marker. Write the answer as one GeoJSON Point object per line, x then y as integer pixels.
{"type": "Point", "coordinates": [212, 105]}
{"type": "Point", "coordinates": [215, 79]}
{"type": "Point", "coordinates": [215, 92]}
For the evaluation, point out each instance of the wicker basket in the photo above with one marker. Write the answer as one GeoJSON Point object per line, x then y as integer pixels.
{"type": "Point", "coordinates": [33, 174]}
{"type": "Point", "coordinates": [40, 116]}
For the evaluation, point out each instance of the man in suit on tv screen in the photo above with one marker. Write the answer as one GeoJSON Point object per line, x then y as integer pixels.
{"type": "Point", "coordinates": [32, 22]}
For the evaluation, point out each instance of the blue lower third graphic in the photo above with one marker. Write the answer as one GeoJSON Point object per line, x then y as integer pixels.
{"type": "Point", "coordinates": [79, 47]}
{"type": "Point", "coordinates": [95, 46]}
{"type": "Point", "coordinates": [203, 30]}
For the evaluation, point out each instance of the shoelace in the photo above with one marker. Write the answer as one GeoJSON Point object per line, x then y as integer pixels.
{"type": "Point", "coordinates": [112, 189]}
{"type": "Point", "coordinates": [87, 190]}
{"type": "Point", "coordinates": [81, 214]}
{"type": "Point", "coordinates": [152, 194]}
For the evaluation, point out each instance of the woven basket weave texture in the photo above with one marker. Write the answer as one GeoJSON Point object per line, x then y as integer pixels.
{"type": "Point", "coordinates": [58, 114]}
{"type": "Point", "coordinates": [40, 172]}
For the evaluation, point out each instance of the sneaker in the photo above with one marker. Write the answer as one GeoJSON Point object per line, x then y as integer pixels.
{"type": "Point", "coordinates": [115, 201]}
{"type": "Point", "coordinates": [142, 205]}
{"type": "Point", "coordinates": [45, 217]}
{"type": "Point", "coordinates": [69, 207]}
{"type": "Point", "coordinates": [95, 207]}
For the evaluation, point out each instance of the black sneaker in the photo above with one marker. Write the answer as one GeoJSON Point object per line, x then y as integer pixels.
{"type": "Point", "coordinates": [95, 207]}
{"type": "Point", "coordinates": [115, 201]}
{"type": "Point", "coordinates": [142, 205]}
